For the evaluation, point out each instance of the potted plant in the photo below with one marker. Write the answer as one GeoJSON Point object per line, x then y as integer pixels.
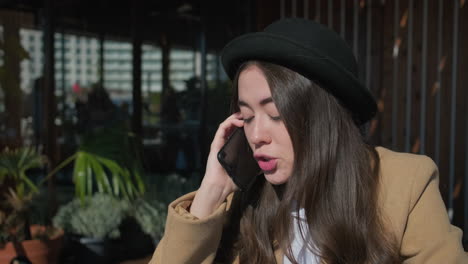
{"type": "Point", "coordinates": [39, 244]}
{"type": "Point", "coordinates": [91, 225]}
{"type": "Point", "coordinates": [101, 227]}
{"type": "Point", "coordinates": [108, 184]}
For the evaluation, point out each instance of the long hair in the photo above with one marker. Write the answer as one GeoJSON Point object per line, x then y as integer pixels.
{"type": "Point", "coordinates": [335, 179]}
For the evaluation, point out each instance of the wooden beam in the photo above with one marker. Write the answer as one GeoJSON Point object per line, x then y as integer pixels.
{"type": "Point", "coordinates": [136, 70]}
{"type": "Point", "coordinates": [50, 105]}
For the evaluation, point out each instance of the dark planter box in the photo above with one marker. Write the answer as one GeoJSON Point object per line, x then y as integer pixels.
{"type": "Point", "coordinates": [132, 244]}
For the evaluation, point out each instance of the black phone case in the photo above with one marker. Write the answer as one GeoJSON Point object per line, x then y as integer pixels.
{"type": "Point", "coordinates": [237, 159]}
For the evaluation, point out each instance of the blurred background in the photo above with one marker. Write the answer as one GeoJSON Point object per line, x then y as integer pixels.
{"type": "Point", "coordinates": [119, 100]}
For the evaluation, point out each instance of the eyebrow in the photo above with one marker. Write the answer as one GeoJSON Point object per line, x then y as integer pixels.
{"type": "Point", "coordinates": [262, 102]}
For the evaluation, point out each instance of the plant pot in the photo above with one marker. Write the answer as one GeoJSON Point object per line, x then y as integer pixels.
{"type": "Point", "coordinates": [95, 250]}
{"type": "Point", "coordinates": [134, 242]}
{"type": "Point", "coordinates": [80, 249]}
{"type": "Point", "coordinates": [37, 251]}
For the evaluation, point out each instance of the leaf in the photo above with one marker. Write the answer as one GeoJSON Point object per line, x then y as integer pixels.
{"type": "Point", "coordinates": [118, 176]}
{"type": "Point", "coordinates": [116, 186]}
{"type": "Point", "coordinates": [20, 190]}
{"type": "Point", "coordinates": [128, 184]}
{"type": "Point", "coordinates": [123, 189]}
{"type": "Point", "coordinates": [79, 177]}
{"type": "Point", "coordinates": [111, 165]}
{"type": "Point", "coordinates": [89, 179]}
{"type": "Point", "coordinates": [59, 167]}
{"type": "Point", "coordinates": [14, 165]}
{"type": "Point", "coordinates": [3, 174]}
{"type": "Point", "coordinates": [101, 176]}
{"type": "Point", "coordinates": [30, 184]}
{"type": "Point", "coordinates": [139, 182]}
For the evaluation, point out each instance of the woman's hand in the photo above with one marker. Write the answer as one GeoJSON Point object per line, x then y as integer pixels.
{"type": "Point", "coordinates": [216, 184]}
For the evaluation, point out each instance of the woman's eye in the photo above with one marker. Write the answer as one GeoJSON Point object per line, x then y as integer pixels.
{"type": "Point", "coordinates": [275, 118]}
{"type": "Point", "coordinates": [247, 120]}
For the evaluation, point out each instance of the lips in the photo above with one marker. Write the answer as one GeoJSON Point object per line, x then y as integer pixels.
{"type": "Point", "coordinates": [266, 163]}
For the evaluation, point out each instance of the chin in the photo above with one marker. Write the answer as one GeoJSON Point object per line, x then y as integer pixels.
{"type": "Point", "coordinates": [276, 178]}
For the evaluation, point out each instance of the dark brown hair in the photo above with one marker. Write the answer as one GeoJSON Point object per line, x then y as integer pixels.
{"type": "Point", "coordinates": [335, 180]}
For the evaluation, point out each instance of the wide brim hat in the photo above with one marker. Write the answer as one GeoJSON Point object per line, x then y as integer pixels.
{"type": "Point", "coordinates": [312, 50]}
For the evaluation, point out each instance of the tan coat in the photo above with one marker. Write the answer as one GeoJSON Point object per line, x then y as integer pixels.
{"type": "Point", "coordinates": [410, 199]}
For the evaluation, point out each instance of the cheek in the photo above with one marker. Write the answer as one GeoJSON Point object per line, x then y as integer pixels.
{"type": "Point", "coordinates": [248, 135]}
{"type": "Point", "coordinates": [286, 143]}
{"type": "Point", "coordinates": [288, 150]}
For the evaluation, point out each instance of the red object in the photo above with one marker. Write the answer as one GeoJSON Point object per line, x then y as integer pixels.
{"type": "Point", "coordinates": [37, 251]}
{"type": "Point", "coordinates": [76, 88]}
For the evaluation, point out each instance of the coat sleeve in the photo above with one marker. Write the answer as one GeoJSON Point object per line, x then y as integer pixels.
{"type": "Point", "coordinates": [429, 237]}
{"type": "Point", "coordinates": [188, 239]}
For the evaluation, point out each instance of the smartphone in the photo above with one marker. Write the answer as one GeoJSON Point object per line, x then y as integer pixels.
{"type": "Point", "coordinates": [237, 159]}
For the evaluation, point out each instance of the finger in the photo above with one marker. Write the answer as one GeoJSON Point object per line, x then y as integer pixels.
{"type": "Point", "coordinates": [236, 115]}
{"type": "Point", "coordinates": [224, 130]}
{"type": "Point", "coordinates": [228, 125]}
{"type": "Point", "coordinates": [235, 123]}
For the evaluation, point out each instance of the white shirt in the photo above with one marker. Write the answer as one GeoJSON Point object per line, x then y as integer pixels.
{"type": "Point", "coordinates": [299, 247]}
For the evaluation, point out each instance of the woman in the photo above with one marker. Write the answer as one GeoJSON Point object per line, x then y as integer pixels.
{"type": "Point", "coordinates": [325, 196]}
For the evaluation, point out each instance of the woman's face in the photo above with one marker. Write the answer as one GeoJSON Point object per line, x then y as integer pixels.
{"type": "Point", "coordinates": [265, 131]}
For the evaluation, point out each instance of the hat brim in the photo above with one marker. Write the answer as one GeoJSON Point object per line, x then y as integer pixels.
{"type": "Point", "coordinates": [306, 61]}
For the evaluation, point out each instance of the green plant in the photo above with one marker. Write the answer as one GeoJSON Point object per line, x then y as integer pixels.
{"type": "Point", "coordinates": [109, 186]}
{"type": "Point", "coordinates": [107, 162]}
{"type": "Point", "coordinates": [151, 218]}
{"type": "Point", "coordinates": [13, 166]}
{"type": "Point", "coordinates": [101, 216]}
{"type": "Point", "coordinates": [16, 192]}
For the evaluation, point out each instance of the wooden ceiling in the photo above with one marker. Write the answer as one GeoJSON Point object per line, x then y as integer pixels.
{"type": "Point", "coordinates": [180, 20]}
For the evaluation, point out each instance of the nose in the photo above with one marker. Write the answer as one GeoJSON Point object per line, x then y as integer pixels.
{"type": "Point", "coordinates": [260, 134]}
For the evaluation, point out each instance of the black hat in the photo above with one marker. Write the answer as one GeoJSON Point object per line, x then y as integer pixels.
{"type": "Point", "coordinates": [310, 49]}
